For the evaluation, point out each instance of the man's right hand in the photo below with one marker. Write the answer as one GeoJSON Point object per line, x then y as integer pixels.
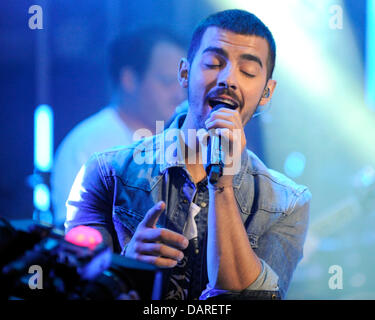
{"type": "Point", "coordinates": [158, 246]}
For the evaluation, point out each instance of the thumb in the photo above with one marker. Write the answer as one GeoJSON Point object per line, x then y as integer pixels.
{"type": "Point", "coordinates": [152, 215]}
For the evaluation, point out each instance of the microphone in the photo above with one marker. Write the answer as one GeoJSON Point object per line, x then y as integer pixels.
{"type": "Point", "coordinates": [215, 164]}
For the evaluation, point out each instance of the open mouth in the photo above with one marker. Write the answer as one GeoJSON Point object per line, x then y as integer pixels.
{"type": "Point", "coordinates": [229, 103]}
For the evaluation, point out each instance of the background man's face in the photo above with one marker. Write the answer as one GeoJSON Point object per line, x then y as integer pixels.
{"type": "Point", "coordinates": [226, 58]}
{"type": "Point", "coordinates": [160, 92]}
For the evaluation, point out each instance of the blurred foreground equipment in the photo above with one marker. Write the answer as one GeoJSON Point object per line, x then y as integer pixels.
{"type": "Point", "coordinates": [43, 264]}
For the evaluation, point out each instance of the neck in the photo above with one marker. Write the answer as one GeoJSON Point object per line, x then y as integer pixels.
{"type": "Point", "coordinates": [131, 115]}
{"type": "Point", "coordinates": [131, 121]}
{"type": "Point", "coordinates": [193, 154]}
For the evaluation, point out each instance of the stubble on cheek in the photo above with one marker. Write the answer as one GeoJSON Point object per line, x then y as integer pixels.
{"type": "Point", "coordinates": [196, 107]}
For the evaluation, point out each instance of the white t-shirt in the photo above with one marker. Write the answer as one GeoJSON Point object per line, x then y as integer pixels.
{"type": "Point", "coordinates": [99, 132]}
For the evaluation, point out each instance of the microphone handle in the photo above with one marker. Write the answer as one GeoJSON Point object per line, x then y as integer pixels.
{"type": "Point", "coordinates": [215, 162]}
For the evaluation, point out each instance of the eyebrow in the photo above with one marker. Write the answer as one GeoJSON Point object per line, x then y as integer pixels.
{"type": "Point", "coordinates": [222, 52]}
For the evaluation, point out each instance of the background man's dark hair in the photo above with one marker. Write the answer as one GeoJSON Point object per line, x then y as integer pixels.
{"type": "Point", "coordinates": [237, 21]}
{"type": "Point", "coordinates": [133, 49]}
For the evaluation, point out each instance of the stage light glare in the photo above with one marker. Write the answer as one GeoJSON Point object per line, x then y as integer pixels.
{"type": "Point", "coordinates": [42, 198]}
{"type": "Point", "coordinates": [43, 138]}
{"type": "Point", "coordinates": [370, 55]}
{"type": "Point", "coordinates": [294, 164]}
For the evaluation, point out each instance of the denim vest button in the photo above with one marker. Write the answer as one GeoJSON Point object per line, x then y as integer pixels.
{"type": "Point", "coordinates": [203, 204]}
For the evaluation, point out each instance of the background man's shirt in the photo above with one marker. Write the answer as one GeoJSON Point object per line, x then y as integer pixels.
{"type": "Point", "coordinates": [101, 131]}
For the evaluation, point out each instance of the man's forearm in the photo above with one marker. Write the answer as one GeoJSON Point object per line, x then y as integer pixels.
{"type": "Point", "coordinates": [232, 264]}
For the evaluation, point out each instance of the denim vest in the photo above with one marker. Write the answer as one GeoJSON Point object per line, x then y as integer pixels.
{"type": "Point", "coordinates": [114, 190]}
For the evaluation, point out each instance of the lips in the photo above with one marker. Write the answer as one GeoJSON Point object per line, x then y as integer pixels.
{"type": "Point", "coordinates": [230, 102]}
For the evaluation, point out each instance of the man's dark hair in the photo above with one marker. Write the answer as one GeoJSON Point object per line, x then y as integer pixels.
{"type": "Point", "coordinates": [133, 49]}
{"type": "Point", "coordinates": [237, 21]}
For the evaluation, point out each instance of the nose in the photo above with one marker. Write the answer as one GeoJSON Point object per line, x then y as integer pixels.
{"type": "Point", "coordinates": [227, 79]}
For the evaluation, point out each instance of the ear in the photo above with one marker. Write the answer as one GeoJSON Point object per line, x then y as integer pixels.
{"type": "Point", "coordinates": [271, 85]}
{"type": "Point", "coordinates": [128, 80]}
{"type": "Point", "coordinates": [183, 73]}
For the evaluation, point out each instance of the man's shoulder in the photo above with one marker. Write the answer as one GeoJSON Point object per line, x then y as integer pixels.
{"type": "Point", "coordinates": [275, 186]}
{"type": "Point", "coordinates": [135, 165]}
{"type": "Point", "coordinates": [120, 160]}
{"type": "Point", "coordinates": [90, 126]}
{"type": "Point", "coordinates": [98, 132]}
{"type": "Point", "coordinates": [85, 132]}
{"type": "Point", "coordinates": [117, 154]}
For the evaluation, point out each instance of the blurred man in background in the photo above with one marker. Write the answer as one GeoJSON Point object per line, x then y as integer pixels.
{"type": "Point", "coordinates": [142, 66]}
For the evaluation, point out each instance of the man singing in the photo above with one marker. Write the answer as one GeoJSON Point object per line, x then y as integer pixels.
{"type": "Point", "coordinates": [238, 238]}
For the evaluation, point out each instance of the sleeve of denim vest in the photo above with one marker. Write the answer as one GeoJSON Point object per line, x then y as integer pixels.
{"type": "Point", "coordinates": [89, 202]}
{"type": "Point", "coordinates": [279, 250]}
{"type": "Point", "coordinates": [267, 280]}
{"type": "Point", "coordinates": [281, 247]}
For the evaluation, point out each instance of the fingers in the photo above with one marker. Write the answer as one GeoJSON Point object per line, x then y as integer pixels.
{"type": "Point", "coordinates": [152, 215]}
{"type": "Point", "coordinates": [226, 121]}
{"type": "Point", "coordinates": [229, 127]}
{"type": "Point", "coordinates": [224, 118]}
{"type": "Point", "coordinates": [158, 246]}
{"type": "Point", "coordinates": [165, 253]}
{"type": "Point", "coordinates": [153, 234]}
{"type": "Point", "coordinates": [225, 112]}
{"type": "Point", "coordinates": [158, 254]}
{"type": "Point", "coordinates": [159, 249]}
{"type": "Point", "coordinates": [165, 236]}
{"type": "Point", "coordinates": [227, 130]}
{"type": "Point", "coordinates": [220, 123]}
{"type": "Point", "coordinates": [157, 261]}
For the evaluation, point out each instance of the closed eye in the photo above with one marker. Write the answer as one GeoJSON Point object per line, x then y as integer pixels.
{"type": "Point", "coordinates": [248, 74]}
{"type": "Point", "coordinates": [208, 65]}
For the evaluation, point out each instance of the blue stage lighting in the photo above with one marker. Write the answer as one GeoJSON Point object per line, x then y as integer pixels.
{"type": "Point", "coordinates": [370, 54]}
{"type": "Point", "coordinates": [43, 138]}
{"type": "Point", "coordinates": [42, 198]}
{"type": "Point", "coordinates": [294, 164]}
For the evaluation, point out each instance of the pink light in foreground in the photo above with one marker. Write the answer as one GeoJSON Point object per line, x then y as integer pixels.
{"type": "Point", "coordinates": [84, 236]}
